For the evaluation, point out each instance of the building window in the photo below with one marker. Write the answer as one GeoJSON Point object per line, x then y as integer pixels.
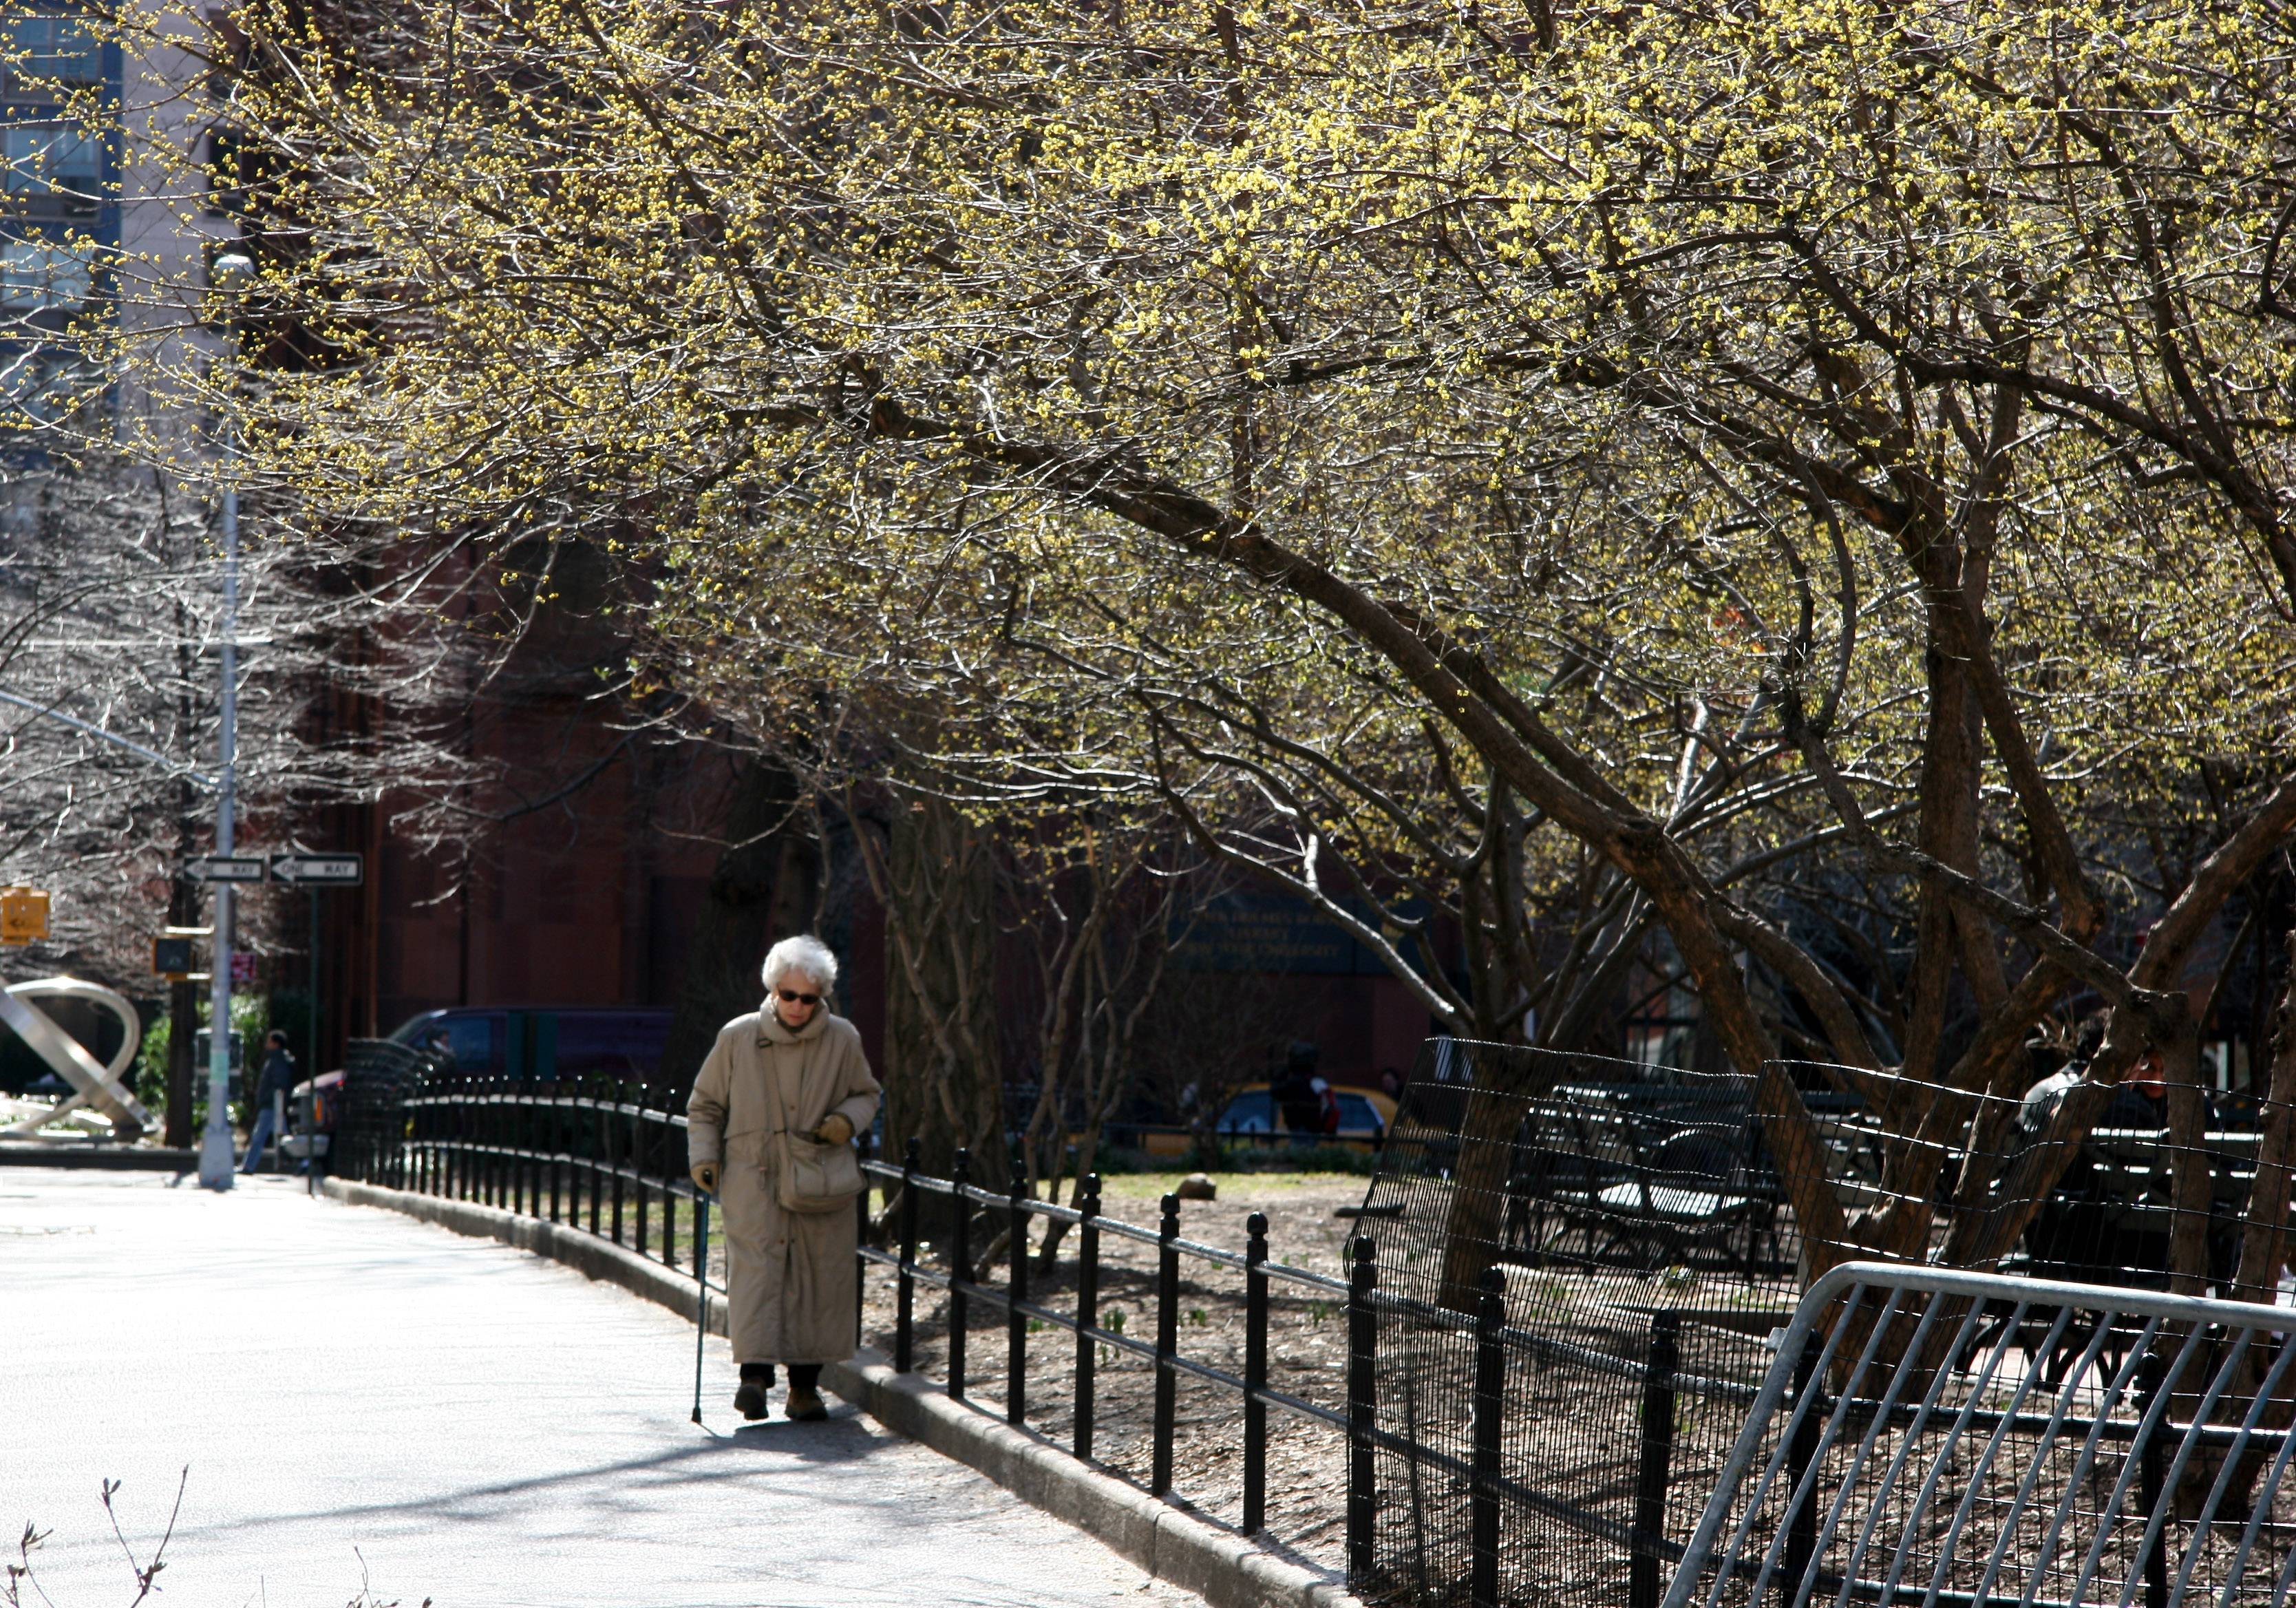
{"type": "Point", "coordinates": [52, 50]}
{"type": "Point", "coordinates": [46, 160]}
{"type": "Point", "coordinates": [41, 274]}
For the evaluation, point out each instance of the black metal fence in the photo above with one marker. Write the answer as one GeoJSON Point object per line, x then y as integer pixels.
{"type": "Point", "coordinates": [598, 1157]}
{"type": "Point", "coordinates": [592, 1153]}
{"type": "Point", "coordinates": [1562, 1301]}
{"type": "Point", "coordinates": [1583, 1259]}
{"type": "Point", "coordinates": [1013, 1213]}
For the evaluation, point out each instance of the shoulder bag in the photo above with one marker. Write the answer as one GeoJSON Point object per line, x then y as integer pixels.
{"type": "Point", "coordinates": [816, 1178]}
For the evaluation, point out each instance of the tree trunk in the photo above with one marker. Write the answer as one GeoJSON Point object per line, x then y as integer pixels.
{"type": "Point", "coordinates": [936, 877]}
{"type": "Point", "coordinates": [761, 891]}
{"type": "Point", "coordinates": [183, 1025]}
{"type": "Point", "coordinates": [1472, 1218]}
{"type": "Point", "coordinates": [2190, 1172]}
{"type": "Point", "coordinates": [2264, 1241]}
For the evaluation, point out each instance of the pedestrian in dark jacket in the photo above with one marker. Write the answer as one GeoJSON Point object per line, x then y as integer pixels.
{"type": "Point", "coordinates": [280, 1077]}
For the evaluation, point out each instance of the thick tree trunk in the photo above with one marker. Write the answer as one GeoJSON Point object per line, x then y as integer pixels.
{"type": "Point", "coordinates": [1476, 1211]}
{"type": "Point", "coordinates": [761, 891]}
{"type": "Point", "coordinates": [2264, 1240]}
{"type": "Point", "coordinates": [936, 876]}
{"type": "Point", "coordinates": [2264, 1244]}
{"type": "Point", "coordinates": [2190, 1172]}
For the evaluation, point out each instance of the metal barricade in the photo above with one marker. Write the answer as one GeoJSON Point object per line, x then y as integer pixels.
{"type": "Point", "coordinates": [1953, 1439]}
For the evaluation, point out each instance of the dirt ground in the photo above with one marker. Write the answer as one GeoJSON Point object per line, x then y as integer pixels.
{"type": "Point", "coordinates": [1306, 1462]}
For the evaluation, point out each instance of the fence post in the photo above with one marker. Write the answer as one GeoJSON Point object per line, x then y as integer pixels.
{"type": "Point", "coordinates": [862, 1241]}
{"type": "Point", "coordinates": [609, 1118]}
{"type": "Point", "coordinates": [639, 1176]}
{"type": "Point", "coordinates": [1362, 1400]}
{"type": "Point", "coordinates": [1088, 1308]}
{"type": "Point", "coordinates": [904, 1296]}
{"type": "Point", "coordinates": [657, 1142]}
{"type": "Point", "coordinates": [1490, 1393]}
{"type": "Point", "coordinates": [1016, 1322]}
{"type": "Point", "coordinates": [597, 1149]}
{"type": "Point", "coordinates": [1167, 1342]}
{"type": "Point", "coordinates": [1255, 1374]}
{"type": "Point", "coordinates": [1801, 1523]}
{"type": "Point", "coordinates": [1657, 1460]}
{"type": "Point", "coordinates": [960, 1270]}
{"type": "Point", "coordinates": [2149, 1473]}
{"type": "Point", "coordinates": [553, 1123]}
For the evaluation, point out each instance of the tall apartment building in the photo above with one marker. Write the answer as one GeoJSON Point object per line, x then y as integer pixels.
{"type": "Point", "coordinates": [61, 223]}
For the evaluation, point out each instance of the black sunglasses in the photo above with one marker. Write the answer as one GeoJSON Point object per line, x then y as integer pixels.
{"type": "Point", "coordinates": [790, 998]}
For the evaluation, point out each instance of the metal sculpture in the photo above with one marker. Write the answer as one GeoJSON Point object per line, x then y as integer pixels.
{"type": "Point", "coordinates": [92, 1084]}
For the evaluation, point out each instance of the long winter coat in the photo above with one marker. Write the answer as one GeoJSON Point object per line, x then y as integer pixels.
{"type": "Point", "coordinates": [791, 1280]}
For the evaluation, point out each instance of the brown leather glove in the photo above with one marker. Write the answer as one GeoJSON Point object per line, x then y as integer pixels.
{"type": "Point", "coordinates": [705, 1176]}
{"type": "Point", "coordinates": [836, 1129]}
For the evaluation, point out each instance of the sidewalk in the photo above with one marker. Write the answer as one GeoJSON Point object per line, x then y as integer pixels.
{"type": "Point", "coordinates": [365, 1402]}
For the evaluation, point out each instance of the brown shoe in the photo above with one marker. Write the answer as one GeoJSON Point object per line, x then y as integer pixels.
{"type": "Point", "coordinates": [749, 1400]}
{"type": "Point", "coordinates": [805, 1406]}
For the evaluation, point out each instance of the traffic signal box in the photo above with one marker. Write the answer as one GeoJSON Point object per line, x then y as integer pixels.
{"type": "Point", "coordinates": [173, 959]}
{"type": "Point", "coordinates": [23, 915]}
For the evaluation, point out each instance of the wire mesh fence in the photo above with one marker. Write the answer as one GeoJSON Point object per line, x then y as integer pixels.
{"type": "Point", "coordinates": [1641, 1240]}
{"type": "Point", "coordinates": [1625, 1220]}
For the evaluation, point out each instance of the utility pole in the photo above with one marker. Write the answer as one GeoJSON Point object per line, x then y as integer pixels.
{"type": "Point", "coordinates": [231, 274]}
{"type": "Point", "coordinates": [216, 1158]}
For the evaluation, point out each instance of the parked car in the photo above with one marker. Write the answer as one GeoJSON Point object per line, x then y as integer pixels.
{"type": "Point", "coordinates": [1253, 1112]}
{"type": "Point", "coordinates": [542, 1042]}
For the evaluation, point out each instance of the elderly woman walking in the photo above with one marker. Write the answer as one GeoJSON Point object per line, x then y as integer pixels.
{"type": "Point", "coordinates": [772, 1119]}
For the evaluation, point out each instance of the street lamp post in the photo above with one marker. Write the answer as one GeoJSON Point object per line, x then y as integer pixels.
{"type": "Point", "coordinates": [232, 275]}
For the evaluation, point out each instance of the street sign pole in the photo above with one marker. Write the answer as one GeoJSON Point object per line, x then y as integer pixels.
{"type": "Point", "coordinates": [216, 1170]}
{"type": "Point", "coordinates": [316, 872]}
{"type": "Point", "coordinates": [311, 1067]}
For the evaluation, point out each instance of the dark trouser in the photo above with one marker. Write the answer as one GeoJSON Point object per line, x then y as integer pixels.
{"type": "Point", "coordinates": [803, 1375]}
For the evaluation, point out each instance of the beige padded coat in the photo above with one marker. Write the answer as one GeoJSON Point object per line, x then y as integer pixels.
{"type": "Point", "coordinates": [790, 1278]}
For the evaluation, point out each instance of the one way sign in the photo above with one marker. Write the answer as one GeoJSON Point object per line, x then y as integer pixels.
{"type": "Point", "coordinates": [319, 869]}
{"type": "Point", "coordinates": [227, 868]}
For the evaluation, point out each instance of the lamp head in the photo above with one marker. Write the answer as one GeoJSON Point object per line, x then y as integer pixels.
{"type": "Point", "coordinates": [233, 272]}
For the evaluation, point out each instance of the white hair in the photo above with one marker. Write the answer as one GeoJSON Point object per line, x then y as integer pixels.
{"type": "Point", "coordinates": [807, 954]}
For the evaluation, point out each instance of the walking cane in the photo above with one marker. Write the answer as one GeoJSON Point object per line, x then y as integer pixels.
{"type": "Point", "coordinates": [700, 1291]}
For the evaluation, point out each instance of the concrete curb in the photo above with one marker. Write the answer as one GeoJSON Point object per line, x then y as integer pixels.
{"type": "Point", "coordinates": [1172, 1543]}
{"type": "Point", "coordinates": [104, 1158]}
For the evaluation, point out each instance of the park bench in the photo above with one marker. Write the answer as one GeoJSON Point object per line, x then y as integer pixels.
{"type": "Point", "coordinates": [1642, 1184]}
{"type": "Point", "coordinates": [2111, 1218]}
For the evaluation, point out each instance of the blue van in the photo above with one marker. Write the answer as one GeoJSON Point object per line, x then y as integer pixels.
{"type": "Point", "coordinates": [544, 1043]}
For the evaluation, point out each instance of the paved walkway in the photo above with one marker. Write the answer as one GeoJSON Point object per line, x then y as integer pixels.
{"type": "Point", "coordinates": [366, 1403]}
